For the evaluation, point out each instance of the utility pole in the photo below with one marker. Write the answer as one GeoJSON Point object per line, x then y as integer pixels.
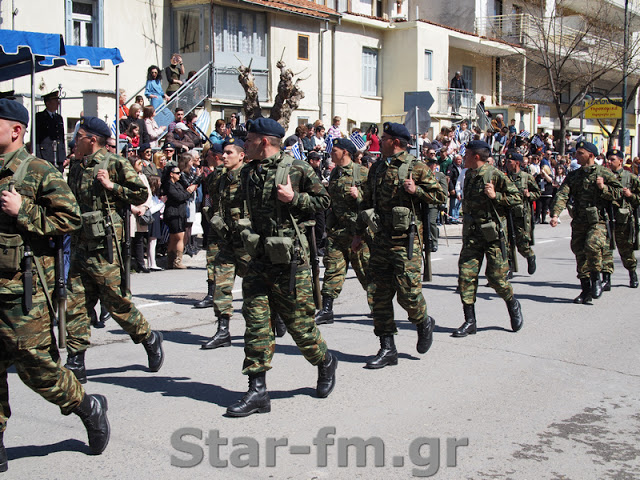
{"type": "Point", "coordinates": [625, 62]}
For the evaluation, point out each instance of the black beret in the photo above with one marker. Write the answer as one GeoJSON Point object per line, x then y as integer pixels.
{"type": "Point", "coordinates": [477, 145]}
{"type": "Point", "coordinates": [169, 146]}
{"type": "Point", "coordinates": [95, 126]}
{"type": "Point", "coordinates": [51, 95]}
{"type": "Point", "coordinates": [233, 141]}
{"type": "Point", "coordinates": [345, 144]}
{"type": "Point", "coordinates": [512, 155]}
{"type": "Point", "coordinates": [12, 110]}
{"type": "Point", "coordinates": [589, 147]}
{"type": "Point", "coordinates": [265, 126]}
{"type": "Point", "coordinates": [314, 156]}
{"type": "Point", "coordinates": [216, 148]}
{"type": "Point", "coordinates": [143, 147]}
{"type": "Point", "coordinates": [614, 152]}
{"type": "Point", "coordinates": [396, 130]}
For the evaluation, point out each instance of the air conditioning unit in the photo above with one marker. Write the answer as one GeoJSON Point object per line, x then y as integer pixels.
{"type": "Point", "coordinates": [399, 18]}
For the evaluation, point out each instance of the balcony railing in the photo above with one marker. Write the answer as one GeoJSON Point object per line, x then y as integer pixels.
{"type": "Point", "coordinates": [456, 101]}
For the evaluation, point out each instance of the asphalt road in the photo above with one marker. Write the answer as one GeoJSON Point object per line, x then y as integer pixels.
{"type": "Point", "coordinates": [558, 400]}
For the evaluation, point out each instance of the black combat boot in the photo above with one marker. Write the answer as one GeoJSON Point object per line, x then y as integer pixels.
{"type": "Point", "coordinates": [104, 314]}
{"type": "Point", "coordinates": [515, 312]}
{"type": "Point", "coordinates": [469, 325]}
{"type": "Point", "coordinates": [207, 301]}
{"type": "Point", "coordinates": [425, 334]}
{"type": "Point", "coordinates": [387, 355]}
{"type": "Point", "coordinates": [222, 338]}
{"type": "Point", "coordinates": [4, 461]}
{"type": "Point", "coordinates": [279, 328]}
{"type": "Point", "coordinates": [585, 296]}
{"type": "Point", "coordinates": [325, 316]}
{"type": "Point", "coordinates": [633, 279]}
{"type": "Point", "coordinates": [531, 264]}
{"type": "Point", "coordinates": [75, 363]}
{"type": "Point", "coordinates": [93, 413]}
{"type": "Point", "coordinates": [326, 375]}
{"type": "Point", "coordinates": [153, 346]}
{"type": "Point", "coordinates": [256, 400]}
{"type": "Point", "coordinates": [606, 282]}
{"type": "Point", "coordinates": [596, 285]}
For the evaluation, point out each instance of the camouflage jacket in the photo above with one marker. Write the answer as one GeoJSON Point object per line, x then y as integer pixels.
{"type": "Point", "coordinates": [344, 208]}
{"type": "Point", "coordinates": [477, 207]}
{"type": "Point", "coordinates": [630, 181]}
{"type": "Point", "coordinates": [580, 187]}
{"type": "Point", "coordinates": [384, 189]}
{"type": "Point", "coordinates": [48, 208]}
{"type": "Point", "coordinates": [268, 215]}
{"type": "Point", "coordinates": [526, 181]}
{"type": "Point", "coordinates": [226, 196]}
{"type": "Point", "coordinates": [128, 189]}
{"type": "Point", "coordinates": [209, 185]}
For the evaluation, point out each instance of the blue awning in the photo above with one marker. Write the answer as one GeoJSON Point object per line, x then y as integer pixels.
{"type": "Point", "coordinates": [94, 55]}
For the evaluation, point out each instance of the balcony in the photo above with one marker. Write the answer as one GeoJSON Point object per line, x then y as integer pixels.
{"type": "Point", "coordinates": [456, 102]}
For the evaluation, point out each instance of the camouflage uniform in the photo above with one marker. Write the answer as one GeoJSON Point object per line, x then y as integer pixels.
{"type": "Point", "coordinates": [266, 285]}
{"type": "Point", "coordinates": [232, 258]}
{"type": "Point", "coordinates": [478, 210]}
{"type": "Point", "coordinates": [27, 340]}
{"type": "Point", "coordinates": [212, 237]}
{"type": "Point", "coordinates": [390, 271]}
{"type": "Point", "coordinates": [341, 226]}
{"type": "Point", "coordinates": [587, 240]}
{"type": "Point", "coordinates": [434, 210]}
{"type": "Point", "coordinates": [91, 276]}
{"type": "Point", "coordinates": [623, 229]}
{"type": "Point", "coordinates": [523, 215]}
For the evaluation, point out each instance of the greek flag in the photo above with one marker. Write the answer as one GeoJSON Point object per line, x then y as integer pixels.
{"type": "Point", "coordinates": [203, 120]}
{"type": "Point", "coordinates": [113, 128]}
{"type": "Point", "coordinates": [463, 149]}
{"type": "Point", "coordinates": [329, 144]}
{"type": "Point", "coordinates": [524, 134]}
{"type": "Point", "coordinates": [456, 134]}
{"type": "Point", "coordinates": [295, 151]}
{"type": "Point", "coordinates": [537, 142]}
{"type": "Point", "coordinates": [357, 140]}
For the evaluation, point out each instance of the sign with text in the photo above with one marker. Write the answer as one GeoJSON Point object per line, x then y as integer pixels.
{"type": "Point", "coordinates": [603, 108]}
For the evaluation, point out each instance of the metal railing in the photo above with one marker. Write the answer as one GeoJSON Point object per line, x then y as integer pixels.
{"type": "Point", "coordinates": [456, 101]}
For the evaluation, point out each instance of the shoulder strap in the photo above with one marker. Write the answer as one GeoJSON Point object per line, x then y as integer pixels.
{"type": "Point", "coordinates": [357, 179]}
{"type": "Point", "coordinates": [21, 171]}
{"type": "Point", "coordinates": [282, 171]}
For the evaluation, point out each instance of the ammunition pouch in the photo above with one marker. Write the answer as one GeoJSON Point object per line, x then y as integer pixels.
{"type": "Point", "coordinates": [218, 225]}
{"type": "Point", "coordinates": [622, 216]}
{"type": "Point", "coordinates": [331, 221]}
{"type": "Point", "coordinates": [400, 219]}
{"type": "Point", "coordinates": [571, 209]}
{"type": "Point", "coordinates": [592, 215]}
{"type": "Point", "coordinates": [517, 211]}
{"type": "Point", "coordinates": [250, 241]}
{"type": "Point", "coordinates": [372, 219]}
{"type": "Point", "coordinates": [93, 225]}
{"type": "Point", "coordinates": [243, 224]}
{"type": "Point", "coordinates": [11, 252]}
{"type": "Point", "coordinates": [490, 231]}
{"type": "Point", "coordinates": [279, 249]}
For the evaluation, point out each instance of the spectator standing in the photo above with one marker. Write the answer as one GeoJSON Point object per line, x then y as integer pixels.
{"type": "Point", "coordinates": [123, 110]}
{"type": "Point", "coordinates": [153, 129]}
{"type": "Point", "coordinates": [153, 90]}
{"type": "Point", "coordinates": [174, 71]}
{"type": "Point", "coordinates": [373, 141]}
{"type": "Point", "coordinates": [334, 129]}
{"type": "Point", "coordinates": [138, 229]}
{"type": "Point", "coordinates": [175, 215]}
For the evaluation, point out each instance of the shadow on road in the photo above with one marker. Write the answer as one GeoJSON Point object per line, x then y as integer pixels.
{"type": "Point", "coordinates": [28, 451]}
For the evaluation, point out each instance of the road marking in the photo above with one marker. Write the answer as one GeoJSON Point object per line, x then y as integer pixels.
{"type": "Point", "coordinates": [538, 242]}
{"type": "Point", "coordinates": [144, 305]}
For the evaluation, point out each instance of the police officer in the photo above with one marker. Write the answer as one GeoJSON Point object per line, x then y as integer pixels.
{"type": "Point", "coordinates": [39, 205]}
{"type": "Point", "coordinates": [397, 188]}
{"type": "Point", "coordinates": [50, 141]}
{"type": "Point", "coordinates": [522, 213]}
{"type": "Point", "coordinates": [232, 259]}
{"type": "Point", "coordinates": [279, 275]}
{"type": "Point", "coordinates": [589, 189]}
{"type": "Point", "coordinates": [102, 182]}
{"type": "Point", "coordinates": [625, 211]}
{"type": "Point", "coordinates": [345, 190]}
{"type": "Point", "coordinates": [487, 193]}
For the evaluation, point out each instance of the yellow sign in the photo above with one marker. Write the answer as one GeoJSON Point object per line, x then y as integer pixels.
{"type": "Point", "coordinates": [602, 108]}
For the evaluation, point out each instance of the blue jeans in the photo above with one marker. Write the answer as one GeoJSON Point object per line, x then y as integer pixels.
{"type": "Point", "coordinates": [454, 207]}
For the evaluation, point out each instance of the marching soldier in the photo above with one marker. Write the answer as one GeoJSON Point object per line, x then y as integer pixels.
{"type": "Point", "coordinates": [345, 190]}
{"type": "Point", "coordinates": [232, 259]}
{"type": "Point", "coordinates": [626, 229]}
{"type": "Point", "coordinates": [35, 203]}
{"type": "Point", "coordinates": [50, 141]}
{"type": "Point", "coordinates": [590, 189]}
{"type": "Point", "coordinates": [487, 194]}
{"type": "Point", "coordinates": [522, 213]}
{"type": "Point", "coordinates": [102, 182]}
{"type": "Point", "coordinates": [397, 188]}
{"type": "Point", "coordinates": [281, 193]}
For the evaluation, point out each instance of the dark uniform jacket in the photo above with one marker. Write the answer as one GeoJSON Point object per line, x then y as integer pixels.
{"type": "Point", "coordinates": [50, 138]}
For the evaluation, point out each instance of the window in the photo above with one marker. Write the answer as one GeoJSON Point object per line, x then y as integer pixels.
{"type": "Point", "coordinates": [369, 71]}
{"type": "Point", "coordinates": [467, 76]}
{"type": "Point", "coordinates": [84, 22]}
{"type": "Point", "coordinates": [239, 31]}
{"type": "Point", "coordinates": [428, 65]}
{"type": "Point", "coordinates": [303, 47]}
{"type": "Point", "coordinates": [188, 31]}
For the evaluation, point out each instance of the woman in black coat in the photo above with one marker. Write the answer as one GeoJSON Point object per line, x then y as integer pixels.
{"type": "Point", "coordinates": [175, 214]}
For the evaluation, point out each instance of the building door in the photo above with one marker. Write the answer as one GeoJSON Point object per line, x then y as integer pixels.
{"type": "Point", "coordinates": [191, 36]}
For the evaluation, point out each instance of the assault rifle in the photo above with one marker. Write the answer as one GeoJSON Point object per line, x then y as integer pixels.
{"type": "Point", "coordinates": [513, 252]}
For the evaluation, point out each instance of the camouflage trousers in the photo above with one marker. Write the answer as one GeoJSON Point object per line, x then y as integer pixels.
{"type": "Point", "coordinates": [265, 288]}
{"type": "Point", "coordinates": [93, 278]}
{"type": "Point", "coordinates": [336, 261]}
{"type": "Point", "coordinates": [474, 249]}
{"type": "Point", "coordinates": [27, 341]}
{"type": "Point", "coordinates": [229, 262]}
{"type": "Point", "coordinates": [391, 273]}
{"type": "Point", "coordinates": [212, 252]}
{"type": "Point", "coordinates": [433, 225]}
{"type": "Point", "coordinates": [523, 237]}
{"type": "Point", "coordinates": [625, 249]}
{"type": "Point", "coordinates": [587, 244]}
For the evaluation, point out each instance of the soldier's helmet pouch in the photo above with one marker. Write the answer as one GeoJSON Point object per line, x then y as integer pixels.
{"type": "Point", "coordinates": [592, 214]}
{"type": "Point", "coordinates": [218, 225]}
{"type": "Point", "coordinates": [250, 241]}
{"type": "Point", "coordinates": [11, 252]}
{"type": "Point", "coordinates": [490, 231]}
{"type": "Point", "coordinates": [93, 225]}
{"type": "Point", "coordinates": [518, 211]}
{"type": "Point", "coordinates": [400, 218]}
{"type": "Point", "coordinates": [622, 216]}
{"type": "Point", "coordinates": [372, 219]}
{"type": "Point", "coordinates": [279, 249]}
